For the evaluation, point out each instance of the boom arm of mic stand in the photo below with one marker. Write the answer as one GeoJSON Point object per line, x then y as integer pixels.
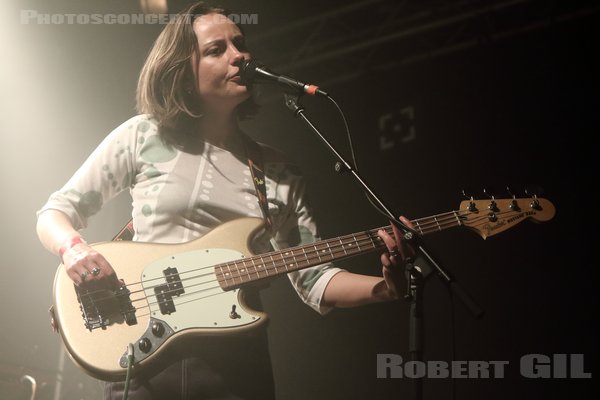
{"type": "Point", "coordinates": [292, 102]}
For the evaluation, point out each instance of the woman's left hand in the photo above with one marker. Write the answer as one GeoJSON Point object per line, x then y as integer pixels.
{"type": "Point", "coordinates": [394, 259]}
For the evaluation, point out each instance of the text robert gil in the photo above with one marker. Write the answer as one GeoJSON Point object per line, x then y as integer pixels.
{"type": "Point", "coordinates": [530, 366]}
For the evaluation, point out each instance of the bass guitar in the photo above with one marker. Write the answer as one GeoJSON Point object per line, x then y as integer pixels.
{"type": "Point", "coordinates": [176, 291]}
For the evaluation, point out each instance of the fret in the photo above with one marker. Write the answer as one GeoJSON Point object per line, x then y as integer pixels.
{"type": "Point", "coordinates": [438, 224]}
{"type": "Point", "coordinates": [357, 245]}
{"type": "Point", "coordinates": [325, 249]}
{"type": "Point", "coordinates": [295, 265]}
{"type": "Point", "coordinates": [284, 261]}
{"type": "Point", "coordinates": [244, 269]}
{"type": "Point", "coordinates": [238, 272]}
{"type": "Point", "coordinates": [318, 255]}
{"type": "Point", "coordinates": [342, 245]}
{"type": "Point", "coordinates": [308, 262]}
{"type": "Point", "coordinates": [220, 273]}
{"type": "Point", "coordinates": [349, 246]}
{"type": "Point", "coordinates": [273, 261]}
{"type": "Point", "coordinates": [370, 236]}
{"type": "Point", "coordinates": [255, 270]}
{"type": "Point", "coordinates": [330, 252]}
{"type": "Point", "coordinates": [416, 223]}
{"type": "Point", "coordinates": [457, 219]}
{"type": "Point", "coordinates": [263, 265]}
{"type": "Point", "coordinates": [247, 270]}
{"type": "Point", "coordinates": [228, 273]}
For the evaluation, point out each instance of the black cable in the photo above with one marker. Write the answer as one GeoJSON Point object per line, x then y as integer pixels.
{"type": "Point", "coordinates": [353, 156]}
{"type": "Point", "coordinates": [129, 368]}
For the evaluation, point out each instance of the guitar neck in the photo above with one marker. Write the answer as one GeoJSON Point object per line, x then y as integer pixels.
{"type": "Point", "coordinates": [246, 270]}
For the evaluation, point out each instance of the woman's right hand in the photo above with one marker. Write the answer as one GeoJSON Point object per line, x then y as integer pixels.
{"type": "Point", "coordinates": [85, 266]}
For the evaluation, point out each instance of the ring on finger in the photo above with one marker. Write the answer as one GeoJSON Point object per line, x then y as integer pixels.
{"type": "Point", "coordinates": [95, 271]}
{"type": "Point", "coordinates": [84, 275]}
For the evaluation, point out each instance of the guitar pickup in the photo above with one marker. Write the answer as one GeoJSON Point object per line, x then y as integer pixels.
{"type": "Point", "coordinates": [173, 281]}
{"type": "Point", "coordinates": [165, 293]}
{"type": "Point", "coordinates": [164, 299]}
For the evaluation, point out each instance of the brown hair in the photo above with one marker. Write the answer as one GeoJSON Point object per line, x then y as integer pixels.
{"type": "Point", "coordinates": [167, 86]}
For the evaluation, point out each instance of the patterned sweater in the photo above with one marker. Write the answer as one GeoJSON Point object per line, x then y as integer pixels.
{"type": "Point", "coordinates": [178, 196]}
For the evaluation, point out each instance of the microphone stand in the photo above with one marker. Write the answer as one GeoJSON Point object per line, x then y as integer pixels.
{"type": "Point", "coordinates": [417, 271]}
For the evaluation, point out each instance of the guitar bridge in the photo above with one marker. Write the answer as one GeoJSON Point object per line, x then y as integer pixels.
{"type": "Point", "coordinates": [101, 308]}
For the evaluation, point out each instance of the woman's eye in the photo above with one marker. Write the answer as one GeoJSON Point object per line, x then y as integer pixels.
{"type": "Point", "coordinates": [213, 51]}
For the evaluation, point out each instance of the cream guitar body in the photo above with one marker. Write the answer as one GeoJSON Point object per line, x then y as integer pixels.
{"type": "Point", "coordinates": [193, 302]}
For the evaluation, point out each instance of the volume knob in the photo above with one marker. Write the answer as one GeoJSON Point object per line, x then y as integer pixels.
{"type": "Point", "coordinates": [144, 345]}
{"type": "Point", "coordinates": [158, 329]}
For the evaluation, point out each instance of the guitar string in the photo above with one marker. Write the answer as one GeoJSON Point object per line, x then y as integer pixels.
{"type": "Point", "coordinates": [483, 219]}
{"type": "Point", "coordinates": [440, 224]}
{"type": "Point", "coordinates": [278, 264]}
{"type": "Point", "coordinates": [448, 221]}
{"type": "Point", "coordinates": [423, 228]}
{"type": "Point", "coordinates": [244, 271]}
{"type": "Point", "coordinates": [88, 296]}
{"type": "Point", "coordinates": [195, 293]}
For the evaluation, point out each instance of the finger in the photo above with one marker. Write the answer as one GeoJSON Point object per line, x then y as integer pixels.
{"type": "Point", "coordinates": [395, 251]}
{"type": "Point", "coordinates": [84, 275]}
{"type": "Point", "coordinates": [397, 234]}
{"type": "Point", "coordinates": [385, 260]}
{"type": "Point", "coordinates": [108, 273]}
{"type": "Point", "coordinates": [79, 276]}
{"type": "Point", "coordinates": [103, 265]}
{"type": "Point", "coordinates": [390, 243]}
{"type": "Point", "coordinates": [405, 250]}
{"type": "Point", "coordinates": [406, 221]}
{"type": "Point", "coordinates": [100, 268]}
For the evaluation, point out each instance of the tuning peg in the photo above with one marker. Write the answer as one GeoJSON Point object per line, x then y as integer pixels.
{"type": "Point", "coordinates": [471, 206]}
{"type": "Point", "coordinates": [510, 193]}
{"type": "Point", "coordinates": [513, 203]}
{"type": "Point", "coordinates": [492, 206]}
{"type": "Point", "coordinates": [534, 191]}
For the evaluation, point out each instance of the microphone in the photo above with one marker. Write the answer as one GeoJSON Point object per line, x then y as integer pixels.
{"type": "Point", "coordinates": [254, 72]}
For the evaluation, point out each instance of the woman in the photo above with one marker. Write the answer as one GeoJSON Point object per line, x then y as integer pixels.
{"type": "Point", "coordinates": [185, 161]}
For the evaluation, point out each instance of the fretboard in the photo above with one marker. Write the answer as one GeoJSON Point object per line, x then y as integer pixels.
{"type": "Point", "coordinates": [246, 270]}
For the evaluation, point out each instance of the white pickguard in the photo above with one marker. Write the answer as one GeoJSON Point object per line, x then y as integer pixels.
{"type": "Point", "coordinates": [203, 304]}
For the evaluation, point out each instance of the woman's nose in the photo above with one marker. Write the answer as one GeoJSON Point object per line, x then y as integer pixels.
{"type": "Point", "coordinates": [237, 57]}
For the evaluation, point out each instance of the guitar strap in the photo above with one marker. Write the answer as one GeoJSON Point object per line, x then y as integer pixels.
{"type": "Point", "coordinates": [126, 233]}
{"type": "Point", "coordinates": [255, 163]}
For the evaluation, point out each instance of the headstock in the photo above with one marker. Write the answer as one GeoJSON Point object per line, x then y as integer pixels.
{"type": "Point", "coordinates": [492, 216]}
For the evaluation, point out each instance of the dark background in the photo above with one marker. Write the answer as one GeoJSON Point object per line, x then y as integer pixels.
{"type": "Point", "coordinates": [501, 94]}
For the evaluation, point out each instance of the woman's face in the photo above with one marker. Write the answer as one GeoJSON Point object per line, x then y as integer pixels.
{"type": "Point", "coordinates": [221, 50]}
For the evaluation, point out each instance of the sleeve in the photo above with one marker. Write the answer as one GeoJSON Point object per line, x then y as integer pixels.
{"type": "Point", "coordinates": [109, 170]}
{"type": "Point", "coordinates": [298, 228]}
